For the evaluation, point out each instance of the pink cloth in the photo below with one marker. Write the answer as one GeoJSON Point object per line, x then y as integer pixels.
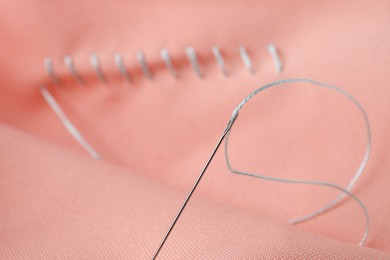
{"type": "Point", "coordinates": [155, 136]}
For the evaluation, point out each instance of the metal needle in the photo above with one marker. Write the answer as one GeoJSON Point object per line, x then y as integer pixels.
{"type": "Point", "coordinates": [229, 125]}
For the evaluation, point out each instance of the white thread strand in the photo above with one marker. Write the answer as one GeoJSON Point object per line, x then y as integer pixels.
{"type": "Point", "coordinates": [167, 60]}
{"type": "Point", "coordinates": [193, 59]}
{"type": "Point", "coordinates": [68, 60]}
{"type": "Point", "coordinates": [48, 64]}
{"type": "Point", "coordinates": [220, 61]}
{"type": "Point", "coordinates": [66, 122]}
{"type": "Point", "coordinates": [344, 191]}
{"type": "Point", "coordinates": [144, 65]}
{"type": "Point", "coordinates": [246, 59]}
{"type": "Point", "coordinates": [121, 66]}
{"type": "Point", "coordinates": [274, 53]}
{"type": "Point", "coordinates": [94, 59]}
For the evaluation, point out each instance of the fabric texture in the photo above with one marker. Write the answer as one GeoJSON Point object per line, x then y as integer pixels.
{"type": "Point", "coordinates": [155, 135]}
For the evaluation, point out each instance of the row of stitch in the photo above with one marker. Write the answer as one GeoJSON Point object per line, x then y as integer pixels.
{"type": "Point", "coordinates": [165, 56]}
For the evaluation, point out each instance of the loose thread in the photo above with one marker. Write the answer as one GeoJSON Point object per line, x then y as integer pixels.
{"type": "Point", "coordinates": [67, 123]}
{"type": "Point", "coordinates": [345, 191]}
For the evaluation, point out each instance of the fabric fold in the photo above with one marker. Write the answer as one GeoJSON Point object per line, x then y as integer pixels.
{"type": "Point", "coordinates": [59, 204]}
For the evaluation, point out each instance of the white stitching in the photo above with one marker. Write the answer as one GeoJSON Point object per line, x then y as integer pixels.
{"type": "Point", "coordinates": [144, 65]}
{"type": "Point", "coordinates": [193, 59]}
{"type": "Point", "coordinates": [246, 59]}
{"type": "Point", "coordinates": [94, 59]}
{"type": "Point", "coordinates": [68, 60]}
{"type": "Point", "coordinates": [220, 61]}
{"type": "Point", "coordinates": [165, 56]}
{"type": "Point", "coordinates": [167, 60]}
{"type": "Point", "coordinates": [121, 66]}
{"type": "Point", "coordinates": [48, 64]}
{"type": "Point", "coordinates": [274, 53]}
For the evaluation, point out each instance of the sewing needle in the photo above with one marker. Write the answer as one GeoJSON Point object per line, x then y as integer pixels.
{"type": "Point", "coordinates": [229, 125]}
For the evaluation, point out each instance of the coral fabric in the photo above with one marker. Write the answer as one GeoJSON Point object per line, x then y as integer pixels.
{"type": "Point", "coordinates": [154, 136]}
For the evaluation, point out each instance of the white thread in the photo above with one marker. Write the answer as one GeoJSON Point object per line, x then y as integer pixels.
{"type": "Point", "coordinates": [352, 182]}
{"type": "Point", "coordinates": [68, 60]}
{"type": "Point", "coordinates": [193, 59]}
{"type": "Point", "coordinates": [66, 122]}
{"type": "Point", "coordinates": [220, 61]}
{"type": "Point", "coordinates": [94, 59]}
{"type": "Point", "coordinates": [274, 53]}
{"type": "Point", "coordinates": [246, 59]}
{"type": "Point", "coordinates": [164, 53]}
{"type": "Point", "coordinates": [121, 66]}
{"type": "Point", "coordinates": [144, 65]}
{"type": "Point", "coordinates": [167, 60]}
{"type": "Point", "coordinates": [48, 64]}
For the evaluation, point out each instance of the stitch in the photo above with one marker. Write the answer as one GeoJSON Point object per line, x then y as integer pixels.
{"type": "Point", "coordinates": [68, 60]}
{"type": "Point", "coordinates": [121, 66]}
{"type": "Point", "coordinates": [94, 59]}
{"type": "Point", "coordinates": [48, 64]}
{"type": "Point", "coordinates": [167, 60]}
{"type": "Point", "coordinates": [193, 59]}
{"type": "Point", "coordinates": [246, 59]}
{"type": "Point", "coordinates": [144, 65]}
{"type": "Point", "coordinates": [274, 53]}
{"type": "Point", "coordinates": [220, 61]}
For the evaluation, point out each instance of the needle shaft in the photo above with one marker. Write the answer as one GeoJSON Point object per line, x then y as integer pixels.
{"type": "Point", "coordinates": [193, 188]}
